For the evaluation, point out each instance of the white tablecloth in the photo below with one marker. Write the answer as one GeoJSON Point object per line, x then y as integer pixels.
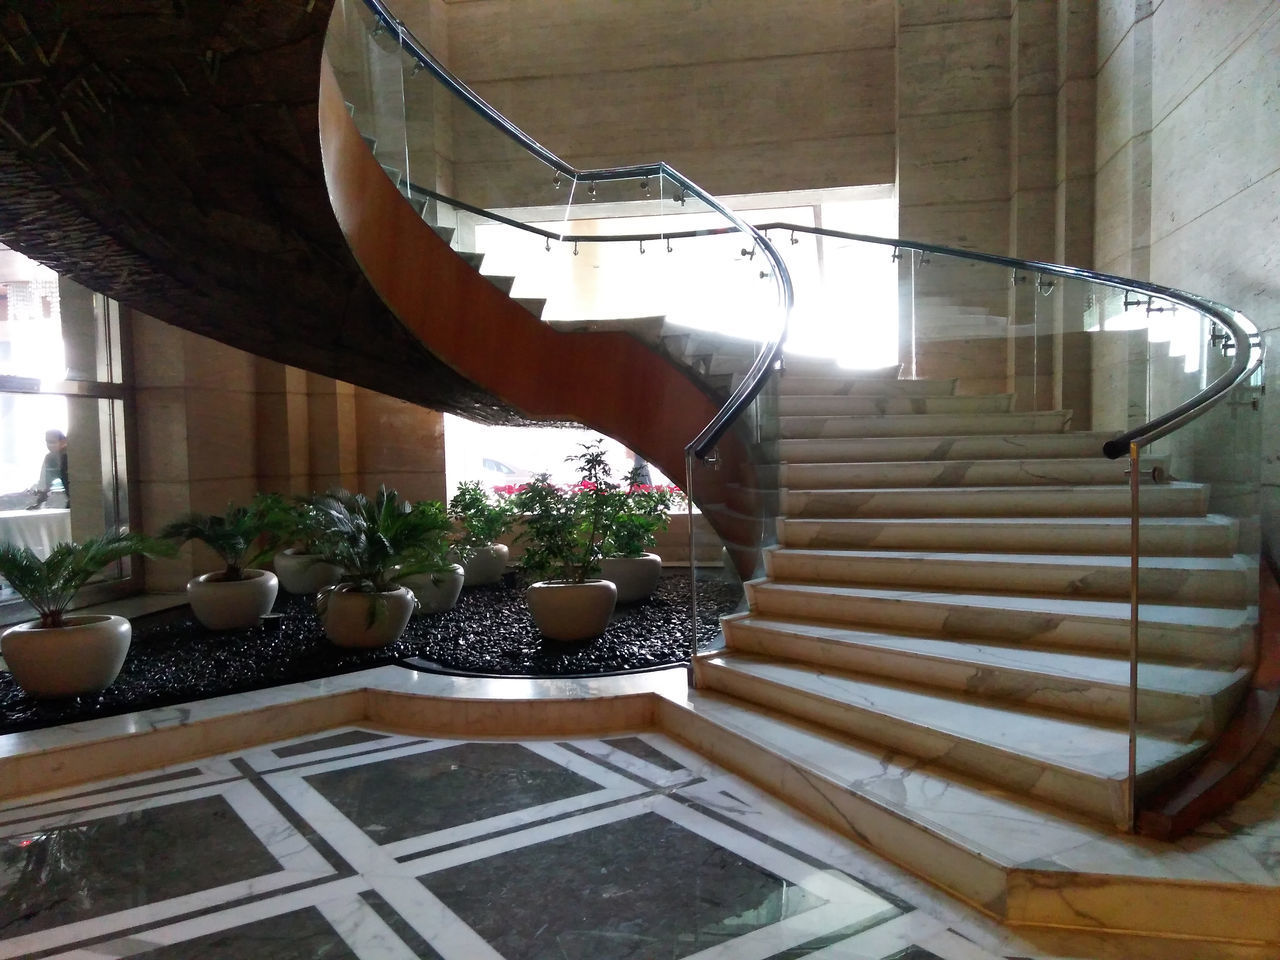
{"type": "Point", "coordinates": [38, 529]}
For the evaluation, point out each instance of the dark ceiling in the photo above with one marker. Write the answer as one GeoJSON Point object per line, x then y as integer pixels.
{"type": "Point", "coordinates": [167, 154]}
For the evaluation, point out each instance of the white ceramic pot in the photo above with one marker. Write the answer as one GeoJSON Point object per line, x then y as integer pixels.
{"type": "Point", "coordinates": [347, 621]}
{"type": "Point", "coordinates": [304, 572]}
{"type": "Point", "coordinates": [436, 592]}
{"type": "Point", "coordinates": [232, 604]}
{"type": "Point", "coordinates": [82, 656]}
{"type": "Point", "coordinates": [635, 577]}
{"type": "Point", "coordinates": [487, 565]}
{"type": "Point", "coordinates": [571, 611]}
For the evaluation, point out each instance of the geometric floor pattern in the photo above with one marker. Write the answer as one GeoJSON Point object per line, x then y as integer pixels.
{"type": "Point", "coordinates": [360, 844]}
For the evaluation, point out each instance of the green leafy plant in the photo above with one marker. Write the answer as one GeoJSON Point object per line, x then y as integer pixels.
{"type": "Point", "coordinates": [296, 522]}
{"type": "Point", "coordinates": [483, 519]}
{"type": "Point", "coordinates": [380, 541]}
{"type": "Point", "coordinates": [565, 527]}
{"type": "Point", "coordinates": [51, 584]}
{"type": "Point", "coordinates": [243, 537]}
{"type": "Point", "coordinates": [638, 512]}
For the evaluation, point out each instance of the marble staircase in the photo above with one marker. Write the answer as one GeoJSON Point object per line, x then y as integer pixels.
{"type": "Point", "coordinates": [940, 642]}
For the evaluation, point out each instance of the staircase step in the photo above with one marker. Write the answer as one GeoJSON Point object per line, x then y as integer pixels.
{"type": "Point", "coordinates": [852, 384]}
{"type": "Point", "coordinates": [534, 305]}
{"type": "Point", "coordinates": [1196, 634]}
{"type": "Point", "coordinates": [897, 449]}
{"type": "Point", "coordinates": [444, 233]}
{"type": "Point", "coordinates": [502, 283]}
{"type": "Point", "coordinates": [1077, 764]}
{"type": "Point", "coordinates": [956, 473]}
{"type": "Point", "coordinates": [1209, 581]}
{"type": "Point", "coordinates": [873, 406]}
{"type": "Point", "coordinates": [923, 425]}
{"type": "Point", "coordinates": [1214, 535]}
{"type": "Point", "coordinates": [1182, 700]}
{"type": "Point", "coordinates": [1097, 500]}
{"type": "Point", "coordinates": [473, 259]}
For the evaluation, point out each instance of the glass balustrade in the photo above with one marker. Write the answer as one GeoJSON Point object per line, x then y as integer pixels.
{"type": "Point", "coordinates": [1153, 556]}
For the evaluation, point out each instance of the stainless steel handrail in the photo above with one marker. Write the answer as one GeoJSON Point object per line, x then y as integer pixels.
{"type": "Point", "coordinates": [702, 445]}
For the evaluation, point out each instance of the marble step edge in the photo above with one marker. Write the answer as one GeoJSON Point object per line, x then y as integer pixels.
{"type": "Point", "coordinates": [836, 405]}
{"type": "Point", "coordinates": [1009, 446]}
{"type": "Point", "coordinates": [843, 385]}
{"type": "Point", "coordinates": [1210, 535]}
{"type": "Point", "coordinates": [952, 473]}
{"type": "Point", "coordinates": [1003, 854]}
{"type": "Point", "coordinates": [1084, 683]}
{"type": "Point", "coordinates": [1177, 498]}
{"type": "Point", "coordinates": [1204, 581]}
{"type": "Point", "coordinates": [910, 720]}
{"type": "Point", "coordinates": [1170, 632]}
{"type": "Point", "coordinates": [842, 427]}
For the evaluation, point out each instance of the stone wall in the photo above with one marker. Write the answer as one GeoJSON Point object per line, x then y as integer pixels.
{"type": "Point", "coordinates": [1188, 183]}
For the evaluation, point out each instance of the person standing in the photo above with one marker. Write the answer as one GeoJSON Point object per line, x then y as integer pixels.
{"type": "Point", "coordinates": [53, 468]}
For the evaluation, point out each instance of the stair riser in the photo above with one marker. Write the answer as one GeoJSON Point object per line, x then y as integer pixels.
{"type": "Point", "coordinates": [955, 473]}
{"type": "Point", "coordinates": [1217, 540]}
{"type": "Point", "coordinates": [965, 873]}
{"type": "Point", "coordinates": [1062, 631]}
{"type": "Point", "coordinates": [836, 406]}
{"type": "Point", "coordinates": [1178, 716]}
{"type": "Point", "coordinates": [898, 449]}
{"type": "Point", "coordinates": [1095, 797]}
{"type": "Point", "coordinates": [921, 425]}
{"type": "Point", "coordinates": [1096, 501]}
{"type": "Point", "coordinates": [796, 385]}
{"type": "Point", "coordinates": [1219, 588]}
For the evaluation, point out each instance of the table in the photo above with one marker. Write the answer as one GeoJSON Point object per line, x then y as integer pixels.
{"type": "Point", "coordinates": [40, 530]}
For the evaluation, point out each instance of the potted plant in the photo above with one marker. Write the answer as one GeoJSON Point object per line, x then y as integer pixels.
{"type": "Point", "coordinates": [378, 543]}
{"type": "Point", "coordinates": [60, 655]}
{"type": "Point", "coordinates": [640, 510]}
{"type": "Point", "coordinates": [237, 596]}
{"type": "Point", "coordinates": [482, 520]}
{"type": "Point", "coordinates": [564, 537]}
{"type": "Point", "coordinates": [439, 585]}
{"type": "Point", "coordinates": [300, 567]}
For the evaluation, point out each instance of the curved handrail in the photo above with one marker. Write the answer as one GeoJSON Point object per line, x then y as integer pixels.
{"type": "Point", "coordinates": [701, 445]}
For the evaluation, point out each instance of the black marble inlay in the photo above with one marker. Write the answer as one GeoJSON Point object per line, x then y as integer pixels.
{"type": "Point", "coordinates": [914, 952]}
{"type": "Point", "coordinates": [331, 742]}
{"type": "Point", "coordinates": [400, 926]}
{"type": "Point", "coordinates": [410, 796]}
{"type": "Point", "coordinates": [95, 867]}
{"type": "Point", "coordinates": [301, 935]}
{"type": "Point", "coordinates": [638, 748]}
{"type": "Point", "coordinates": [637, 888]}
{"type": "Point", "coordinates": [104, 792]}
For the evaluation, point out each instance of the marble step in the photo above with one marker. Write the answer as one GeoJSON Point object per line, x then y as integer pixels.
{"type": "Point", "coordinates": [923, 425]}
{"type": "Point", "coordinates": [1074, 763]}
{"type": "Point", "coordinates": [502, 283]}
{"type": "Point", "coordinates": [1019, 859]}
{"type": "Point", "coordinates": [1168, 631]}
{"type": "Point", "coordinates": [1213, 535]}
{"type": "Point", "coordinates": [897, 449]}
{"type": "Point", "coordinates": [1179, 700]}
{"type": "Point", "coordinates": [1205, 581]}
{"type": "Point", "coordinates": [853, 384]}
{"type": "Point", "coordinates": [876, 406]}
{"type": "Point", "coordinates": [956, 473]}
{"type": "Point", "coordinates": [1096, 500]}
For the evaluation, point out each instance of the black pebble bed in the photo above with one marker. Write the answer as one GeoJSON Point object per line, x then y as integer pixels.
{"type": "Point", "coordinates": [173, 659]}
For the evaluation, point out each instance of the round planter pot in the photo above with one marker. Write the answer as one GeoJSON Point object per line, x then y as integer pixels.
{"type": "Point", "coordinates": [437, 592]}
{"type": "Point", "coordinates": [571, 611]}
{"type": "Point", "coordinates": [304, 572]}
{"type": "Point", "coordinates": [232, 604]}
{"type": "Point", "coordinates": [635, 577]}
{"type": "Point", "coordinates": [346, 617]}
{"type": "Point", "coordinates": [487, 566]}
{"type": "Point", "coordinates": [82, 656]}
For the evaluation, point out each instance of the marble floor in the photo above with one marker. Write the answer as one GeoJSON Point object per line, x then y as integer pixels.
{"type": "Point", "coordinates": [363, 840]}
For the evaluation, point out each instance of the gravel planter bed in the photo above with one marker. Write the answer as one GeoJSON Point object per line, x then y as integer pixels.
{"type": "Point", "coordinates": [175, 660]}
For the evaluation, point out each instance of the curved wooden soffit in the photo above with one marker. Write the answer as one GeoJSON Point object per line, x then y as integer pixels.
{"type": "Point", "coordinates": [606, 380]}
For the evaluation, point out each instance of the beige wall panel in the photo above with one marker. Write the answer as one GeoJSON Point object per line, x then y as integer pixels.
{"type": "Point", "coordinates": [1035, 53]}
{"type": "Point", "coordinates": [1077, 140]}
{"type": "Point", "coordinates": [1193, 37]}
{"type": "Point", "coordinates": [1077, 39]}
{"type": "Point", "coordinates": [1229, 124]}
{"type": "Point", "coordinates": [981, 225]}
{"type": "Point", "coordinates": [220, 432]}
{"type": "Point", "coordinates": [213, 496]}
{"type": "Point", "coordinates": [1113, 228]}
{"type": "Point", "coordinates": [913, 12]}
{"type": "Point", "coordinates": [400, 445]}
{"type": "Point", "coordinates": [1115, 20]}
{"type": "Point", "coordinates": [159, 357]}
{"type": "Point", "coordinates": [953, 157]}
{"type": "Point", "coordinates": [533, 38]}
{"type": "Point", "coordinates": [1115, 102]}
{"type": "Point", "coordinates": [161, 424]}
{"type": "Point", "coordinates": [215, 365]}
{"type": "Point", "coordinates": [657, 110]}
{"type": "Point", "coordinates": [1033, 219]}
{"type": "Point", "coordinates": [1073, 216]}
{"type": "Point", "coordinates": [954, 66]}
{"type": "Point", "coordinates": [1034, 123]}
